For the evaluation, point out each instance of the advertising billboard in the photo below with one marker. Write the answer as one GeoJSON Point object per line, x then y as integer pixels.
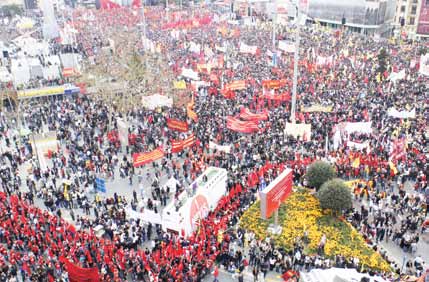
{"type": "Point", "coordinates": [423, 24]}
{"type": "Point", "coordinates": [358, 12]}
{"type": "Point", "coordinates": [276, 193]}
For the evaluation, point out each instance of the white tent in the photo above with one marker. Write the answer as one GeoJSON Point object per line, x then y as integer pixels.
{"type": "Point", "coordinates": [336, 275]}
{"type": "Point", "coordinates": [20, 71]}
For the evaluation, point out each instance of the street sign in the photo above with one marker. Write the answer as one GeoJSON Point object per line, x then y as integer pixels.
{"type": "Point", "coordinates": [100, 185]}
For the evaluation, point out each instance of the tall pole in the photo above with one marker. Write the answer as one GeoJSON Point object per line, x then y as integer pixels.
{"type": "Point", "coordinates": [295, 63]}
{"type": "Point", "coordinates": [144, 34]}
{"type": "Point", "coordinates": [274, 23]}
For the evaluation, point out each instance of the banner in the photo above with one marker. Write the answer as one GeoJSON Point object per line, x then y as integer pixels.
{"type": "Point", "coordinates": [273, 84]}
{"type": "Point", "coordinates": [361, 127]}
{"type": "Point", "coordinates": [424, 64]}
{"type": "Point", "coordinates": [322, 61]}
{"type": "Point", "coordinates": [47, 91]}
{"type": "Point", "coordinates": [277, 97]}
{"type": "Point", "coordinates": [122, 131]}
{"type": "Point", "coordinates": [247, 49]}
{"type": "Point", "coordinates": [154, 101]}
{"type": "Point", "coordinates": [79, 274]}
{"type": "Point", "coordinates": [395, 76]}
{"type": "Point", "coordinates": [276, 193]}
{"type": "Point", "coordinates": [401, 114]}
{"type": "Point", "coordinates": [180, 84]}
{"type": "Point", "coordinates": [191, 113]}
{"type": "Point", "coordinates": [236, 85]}
{"type": "Point", "coordinates": [140, 159]}
{"type": "Point", "coordinates": [44, 144]}
{"type": "Point", "coordinates": [246, 114]}
{"type": "Point", "coordinates": [398, 150]}
{"type": "Point", "coordinates": [222, 148]}
{"type": "Point", "coordinates": [189, 73]}
{"type": "Point", "coordinates": [175, 124]}
{"type": "Point", "coordinates": [237, 125]}
{"type": "Point", "coordinates": [286, 46]}
{"type": "Point", "coordinates": [318, 108]}
{"type": "Point", "coordinates": [193, 47]}
{"type": "Point", "coordinates": [146, 216]}
{"type": "Point", "coordinates": [358, 146]}
{"type": "Point", "coordinates": [301, 130]}
{"type": "Point", "coordinates": [179, 145]}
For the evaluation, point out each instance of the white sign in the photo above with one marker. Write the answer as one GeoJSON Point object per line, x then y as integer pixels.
{"type": "Point", "coordinates": [424, 64]}
{"type": "Point", "coordinates": [298, 130]}
{"type": "Point", "coordinates": [189, 73]}
{"type": "Point", "coordinates": [286, 46]}
{"type": "Point", "coordinates": [247, 49]}
{"type": "Point", "coordinates": [401, 114]}
{"type": "Point", "coordinates": [223, 148]}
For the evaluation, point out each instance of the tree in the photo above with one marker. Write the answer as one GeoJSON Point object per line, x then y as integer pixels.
{"type": "Point", "coordinates": [318, 173]}
{"type": "Point", "coordinates": [335, 195]}
{"type": "Point", "coordinates": [382, 61]}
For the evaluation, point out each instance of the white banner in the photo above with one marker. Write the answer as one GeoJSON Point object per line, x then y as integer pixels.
{"type": "Point", "coordinates": [122, 131]}
{"type": "Point", "coordinates": [361, 127]}
{"type": "Point", "coordinates": [155, 101]}
{"type": "Point", "coordinates": [395, 76]}
{"type": "Point", "coordinates": [299, 130]}
{"type": "Point", "coordinates": [223, 148]}
{"type": "Point", "coordinates": [194, 47]}
{"type": "Point", "coordinates": [220, 49]}
{"type": "Point", "coordinates": [424, 64]}
{"type": "Point", "coordinates": [401, 114]}
{"type": "Point", "coordinates": [358, 146]}
{"type": "Point", "coordinates": [286, 46]}
{"type": "Point", "coordinates": [321, 61]}
{"type": "Point", "coordinates": [189, 73]}
{"type": "Point", "coordinates": [247, 49]}
{"type": "Point", "coordinates": [147, 215]}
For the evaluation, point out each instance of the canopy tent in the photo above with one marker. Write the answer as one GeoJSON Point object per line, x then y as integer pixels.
{"type": "Point", "coordinates": [336, 275]}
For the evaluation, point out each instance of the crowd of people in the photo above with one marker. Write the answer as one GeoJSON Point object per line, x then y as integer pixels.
{"type": "Point", "coordinates": [39, 243]}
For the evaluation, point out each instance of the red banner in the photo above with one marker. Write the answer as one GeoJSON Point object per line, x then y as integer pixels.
{"type": "Point", "coordinates": [79, 274]}
{"type": "Point", "coordinates": [236, 85]}
{"type": "Point", "coordinates": [276, 193]}
{"type": "Point", "coordinates": [273, 84]}
{"type": "Point", "coordinates": [140, 159]}
{"type": "Point", "coordinates": [246, 114]}
{"type": "Point", "coordinates": [178, 125]}
{"type": "Point", "coordinates": [179, 145]}
{"type": "Point", "coordinates": [277, 97]}
{"type": "Point", "coordinates": [237, 125]}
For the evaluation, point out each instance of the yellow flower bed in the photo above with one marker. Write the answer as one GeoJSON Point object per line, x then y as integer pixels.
{"type": "Point", "coordinates": [302, 212]}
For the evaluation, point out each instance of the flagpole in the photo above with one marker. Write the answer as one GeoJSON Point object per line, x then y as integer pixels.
{"type": "Point", "coordinates": [295, 63]}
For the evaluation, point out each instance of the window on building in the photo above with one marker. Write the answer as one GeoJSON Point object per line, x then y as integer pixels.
{"type": "Point", "coordinates": [427, 2]}
{"type": "Point", "coordinates": [412, 21]}
{"type": "Point", "coordinates": [403, 8]}
{"type": "Point", "coordinates": [413, 10]}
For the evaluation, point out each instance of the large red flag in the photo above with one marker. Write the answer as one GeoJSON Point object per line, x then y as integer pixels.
{"type": "Point", "coordinates": [79, 274]}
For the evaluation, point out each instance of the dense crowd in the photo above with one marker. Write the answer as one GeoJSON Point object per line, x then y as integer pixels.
{"type": "Point", "coordinates": [37, 244]}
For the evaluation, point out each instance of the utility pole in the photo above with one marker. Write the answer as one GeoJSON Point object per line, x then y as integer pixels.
{"type": "Point", "coordinates": [295, 63]}
{"type": "Point", "coordinates": [144, 37]}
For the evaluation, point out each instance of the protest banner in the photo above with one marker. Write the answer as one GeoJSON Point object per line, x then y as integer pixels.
{"type": "Point", "coordinates": [298, 130]}
{"type": "Point", "coordinates": [140, 159]}
{"type": "Point", "coordinates": [318, 108]}
{"type": "Point", "coordinates": [248, 49]}
{"type": "Point", "coordinates": [179, 145]}
{"type": "Point", "coordinates": [177, 125]}
{"type": "Point", "coordinates": [237, 125]}
{"type": "Point", "coordinates": [236, 85]}
{"type": "Point", "coordinates": [401, 114]}
{"type": "Point", "coordinates": [246, 114]}
{"type": "Point", "coordinates": [222, 148]}
{"type": "Point", "coordinates": [180, 84]}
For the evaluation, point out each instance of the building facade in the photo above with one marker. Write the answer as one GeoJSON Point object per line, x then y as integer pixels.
{"type": "Point", "coordinates": [406, 17]}
{"type": "Point", "coordinates": [365, 16]}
